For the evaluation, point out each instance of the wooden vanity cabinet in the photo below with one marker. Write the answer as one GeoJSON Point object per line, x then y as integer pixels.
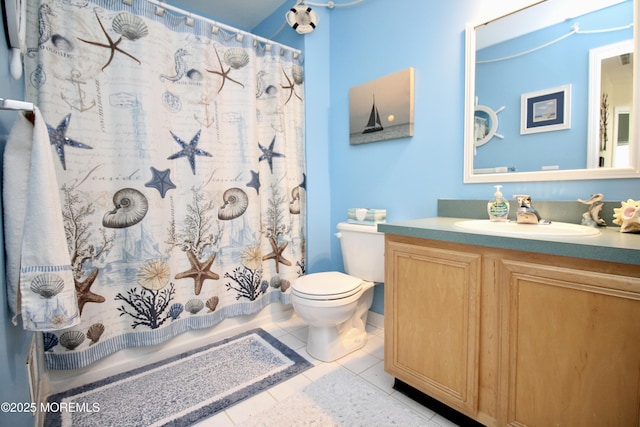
{"type": "Point", "coordinates": [431, 337]}
{"type": "Point", "coordinates": [511, 338]}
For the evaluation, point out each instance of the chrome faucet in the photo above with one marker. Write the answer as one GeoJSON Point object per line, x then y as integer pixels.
{"type": "Point", "coordinates": [526, 214]}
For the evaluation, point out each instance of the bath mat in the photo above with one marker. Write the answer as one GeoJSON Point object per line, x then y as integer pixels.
{"type": "Point", "coordinates": [183, 389]}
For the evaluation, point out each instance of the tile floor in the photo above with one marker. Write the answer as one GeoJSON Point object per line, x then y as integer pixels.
{"type": "Point", "coordinates": [366, 362]}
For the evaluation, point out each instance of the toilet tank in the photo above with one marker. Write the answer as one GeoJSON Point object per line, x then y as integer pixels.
{"type": "Point", "coordinates": [362, 251]}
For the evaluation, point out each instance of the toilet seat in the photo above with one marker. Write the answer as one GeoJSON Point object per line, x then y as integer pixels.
{"type": "Point", "coordinates": [330, 285]}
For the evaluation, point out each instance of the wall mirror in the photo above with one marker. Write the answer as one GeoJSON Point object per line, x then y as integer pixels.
{"type": "Point", "coordinates": [563, 75]}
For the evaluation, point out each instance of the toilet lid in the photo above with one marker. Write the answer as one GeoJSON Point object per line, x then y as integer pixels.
{"type": "Point", "coordinates": [327, 285]}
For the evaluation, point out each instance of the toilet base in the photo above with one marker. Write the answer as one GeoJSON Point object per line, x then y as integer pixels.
{"type": "Point", "coordinates": [328, 344]}
{"type": "Point", "coordinates": [328, 341]}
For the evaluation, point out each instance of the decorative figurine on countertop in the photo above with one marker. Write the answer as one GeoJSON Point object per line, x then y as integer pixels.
{"type": "Point", "coordinates": [591, 217]}
{"type": "Point", "coordinates": [628, 216]}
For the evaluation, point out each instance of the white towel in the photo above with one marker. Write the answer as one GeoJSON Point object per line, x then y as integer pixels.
{"type": "Point", "coordinates": [39, 276]}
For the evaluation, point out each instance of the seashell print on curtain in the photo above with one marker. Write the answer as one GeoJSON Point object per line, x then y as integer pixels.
{"type": "Point", "coordinates": [181, 170]}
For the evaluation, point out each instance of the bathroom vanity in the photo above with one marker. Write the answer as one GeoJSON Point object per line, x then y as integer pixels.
{"type": "Point", "coordinates": [517, 331]}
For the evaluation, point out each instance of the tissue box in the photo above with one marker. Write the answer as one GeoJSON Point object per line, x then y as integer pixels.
{"type": "Point", "coordinates": [366, 216]}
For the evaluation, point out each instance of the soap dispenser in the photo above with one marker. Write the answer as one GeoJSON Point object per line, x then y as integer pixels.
{"type": "Point", "coordinates": [498, 207]}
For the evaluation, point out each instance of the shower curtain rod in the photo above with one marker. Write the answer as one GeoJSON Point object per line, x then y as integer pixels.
{"type": "Point", "coordinates": [217, 25]}
{"type": "Point", "coordinates": [10, 104]}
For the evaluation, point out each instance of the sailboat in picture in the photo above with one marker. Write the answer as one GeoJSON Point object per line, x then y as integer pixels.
{"type": "Point", "coordinates": [374, 124]}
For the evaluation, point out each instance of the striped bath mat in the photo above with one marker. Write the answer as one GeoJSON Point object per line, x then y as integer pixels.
{"type": "Point", "coordinates": [181, 390]}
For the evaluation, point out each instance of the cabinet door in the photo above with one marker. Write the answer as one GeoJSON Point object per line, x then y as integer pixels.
{"type": "Point", "coordinates": [570, 347]}
{"type": "Point", "coordinates": [431, 321]}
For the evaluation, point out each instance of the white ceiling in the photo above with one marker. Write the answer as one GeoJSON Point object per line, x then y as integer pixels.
{"type": "Point", "coordinates": [244, 14]}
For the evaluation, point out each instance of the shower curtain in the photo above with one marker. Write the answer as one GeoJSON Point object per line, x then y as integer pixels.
{"type": "Point", "coordinates": [179, 149]}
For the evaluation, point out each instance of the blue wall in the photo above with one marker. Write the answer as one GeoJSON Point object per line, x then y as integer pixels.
{"type": "Point", "coordinates": [405, 176]}
{"type": "Point", "coordinates": [351, 46]}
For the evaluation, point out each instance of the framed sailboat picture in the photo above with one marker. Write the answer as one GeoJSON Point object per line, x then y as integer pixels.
{"type": "Point", "coordinates": [382, 109]}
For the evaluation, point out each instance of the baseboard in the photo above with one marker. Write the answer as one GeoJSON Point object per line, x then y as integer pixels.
{"type": "Point", "coordinates": [435, 405]}
{"type": "Point", "coordinates": [375, 319]}
{"type": "Point", "coordinates": [35, 368]}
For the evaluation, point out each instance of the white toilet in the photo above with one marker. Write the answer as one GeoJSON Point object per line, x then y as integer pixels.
{"type": "Point", "coordinates": [335, 305]}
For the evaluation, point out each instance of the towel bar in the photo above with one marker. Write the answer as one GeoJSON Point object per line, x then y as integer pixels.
{"type": "Point", "coordinates": [10, 104]}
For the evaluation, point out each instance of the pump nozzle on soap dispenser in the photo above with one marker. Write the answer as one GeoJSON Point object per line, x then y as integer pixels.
{"type": "Point", "coordinates": [498, 207]}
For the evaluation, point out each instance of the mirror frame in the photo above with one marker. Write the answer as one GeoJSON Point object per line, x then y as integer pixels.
{"type": "Point", "coordinates": [633, 171]}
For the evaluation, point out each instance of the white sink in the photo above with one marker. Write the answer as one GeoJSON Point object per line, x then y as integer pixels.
{"type": "Point", "coordinates": [554, 229]}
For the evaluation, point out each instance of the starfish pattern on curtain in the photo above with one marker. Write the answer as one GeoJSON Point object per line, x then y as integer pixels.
{"type": "Point", "coordinates": [160, 245]}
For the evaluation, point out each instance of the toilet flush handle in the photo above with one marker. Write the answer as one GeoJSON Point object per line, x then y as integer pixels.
{"type": "Point", "coordinates": [338, 235]}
